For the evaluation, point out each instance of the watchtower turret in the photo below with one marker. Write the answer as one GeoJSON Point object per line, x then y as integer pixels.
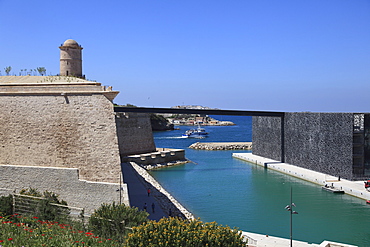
{"type": "Point", "coordinates": [71, 58]}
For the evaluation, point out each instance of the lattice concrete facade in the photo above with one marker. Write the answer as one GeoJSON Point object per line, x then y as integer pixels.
{"type": "Point", "coordinates": [331, 143]}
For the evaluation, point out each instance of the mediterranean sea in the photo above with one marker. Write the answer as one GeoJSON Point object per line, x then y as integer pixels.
{"type": "Point", "coordinates": [217, 187]}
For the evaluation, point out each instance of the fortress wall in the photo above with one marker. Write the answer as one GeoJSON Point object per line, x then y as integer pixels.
{"type": "Point", "coordinates": [74, 131]}
{"type": "Point", "coordinates": [134, 133]}
{"type": "Point", "coordinates": [64, 182]}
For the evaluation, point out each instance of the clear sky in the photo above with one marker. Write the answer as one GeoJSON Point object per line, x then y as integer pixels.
{"type": "Point", "coordinates": [286, 55]}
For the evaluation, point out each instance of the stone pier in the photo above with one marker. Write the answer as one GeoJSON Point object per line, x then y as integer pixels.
{"type": "Point", "coordinates": [222, 145]}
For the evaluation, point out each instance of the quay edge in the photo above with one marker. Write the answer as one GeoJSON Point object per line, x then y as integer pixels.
{"type": "Point", "coordinates": [353, 188]}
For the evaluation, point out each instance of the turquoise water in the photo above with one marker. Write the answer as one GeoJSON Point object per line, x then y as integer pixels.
{"type": "Point", "coordinates": [217, 187]}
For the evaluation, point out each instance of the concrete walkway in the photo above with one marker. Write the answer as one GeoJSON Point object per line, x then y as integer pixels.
{"type": "Point", "coordinates": [138, 194]}
{"type": "Point", "coordinates": [353, 188]}
{"type": "Point", "coordinates": [259, 240]}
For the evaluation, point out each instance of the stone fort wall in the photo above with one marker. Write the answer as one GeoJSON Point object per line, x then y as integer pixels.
{"type": "Point", "coordinates": [73, 131]}
{"type": "Point", "coordinates": [61, 134]}
{"type": "Point", "coordinates": [318, 141]}
{"type": "Point", "coordinates": [134, 133]}
{"type": "Point", "coordinates": [62, 181]}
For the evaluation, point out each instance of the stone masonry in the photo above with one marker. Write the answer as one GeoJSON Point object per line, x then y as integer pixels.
{"type": "Point", "coordinates": [59, 124]}
{"type": "Point", "coordinates": [134, 133]}
{"type": "Point", "coordinates": [63, 181]}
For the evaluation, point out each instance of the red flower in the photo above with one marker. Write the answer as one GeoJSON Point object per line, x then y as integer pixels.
{"type": "Point", "coordinates": [10, 239]}
{"type": "Point", "coordinates": [1, 241]}
{"type": "Point", "coordinates": [35, 217]}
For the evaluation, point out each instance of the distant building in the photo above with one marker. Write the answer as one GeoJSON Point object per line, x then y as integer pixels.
{"type": "Point", "coordinates": [337, 144]}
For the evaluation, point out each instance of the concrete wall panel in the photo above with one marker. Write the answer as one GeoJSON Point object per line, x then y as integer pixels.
{"type": "Point", "coordinates": [318, 141]}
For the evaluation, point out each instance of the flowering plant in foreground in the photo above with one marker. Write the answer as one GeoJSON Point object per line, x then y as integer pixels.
{"type": "Point", "coordinates": [177, 232]}
{"type": "Point", "coordinates": [18, 230]}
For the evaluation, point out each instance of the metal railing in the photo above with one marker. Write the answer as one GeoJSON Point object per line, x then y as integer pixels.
{"type": "Point", "coordinates": [25, 204]}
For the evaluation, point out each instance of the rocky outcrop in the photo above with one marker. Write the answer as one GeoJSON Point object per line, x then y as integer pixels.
{"type": "Point", "coordinates": [159, 123]}
{"type": "Point", "coordinates": [222, 146]}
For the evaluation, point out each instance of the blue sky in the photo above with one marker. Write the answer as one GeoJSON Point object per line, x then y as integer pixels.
{"type": "Point", "coordinates": [286, 55]}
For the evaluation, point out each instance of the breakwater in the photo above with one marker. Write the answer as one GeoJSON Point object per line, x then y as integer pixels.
{"type": "Point", "coordinates": [222, 145]}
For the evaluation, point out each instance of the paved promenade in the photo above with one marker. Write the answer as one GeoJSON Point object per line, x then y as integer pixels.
{"type": "Point", "coordinates": [259, 240]}
{"type": "Point", "coordinates": [138, 194]}
{"type": "Point", "coordinates": [353, 188]}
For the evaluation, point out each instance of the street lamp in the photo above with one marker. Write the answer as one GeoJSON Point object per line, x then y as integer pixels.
{"type": "Point", "coordinates": [290, 208]}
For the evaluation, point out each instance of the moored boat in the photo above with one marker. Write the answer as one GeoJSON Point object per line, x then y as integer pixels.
{"type": "Point", "coordinates": [332, 189]}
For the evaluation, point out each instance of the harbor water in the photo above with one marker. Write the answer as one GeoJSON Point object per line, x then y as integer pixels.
{"type": "Point", "coordinates": [217, 187]}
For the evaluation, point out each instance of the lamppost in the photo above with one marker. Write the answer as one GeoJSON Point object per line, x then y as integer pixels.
{"type": "Point", "coordinates": [290, 208]}
{"type": "Point", "coordinates": [120, 189]}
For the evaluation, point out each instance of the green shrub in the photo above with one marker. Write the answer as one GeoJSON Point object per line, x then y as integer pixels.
{"type": "Point", "coordinates": [115, 221]}
{"type": "Point", "coordinates": [6, 205]}
{"type": "Point", "coordinates": [176, 232]}
{"type": "Point", "coordinates": [42, 206]}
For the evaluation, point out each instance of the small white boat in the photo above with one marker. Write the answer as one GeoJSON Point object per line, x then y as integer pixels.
{"type": "Point", "coordinates": [332, 189]}
{"type": "Point", "coordinates": [195, 133]}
